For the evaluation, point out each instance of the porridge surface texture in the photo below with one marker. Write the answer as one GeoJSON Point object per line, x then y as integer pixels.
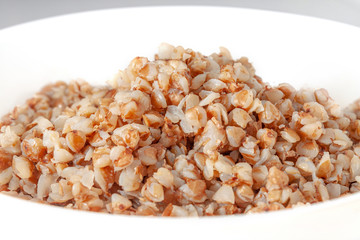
{"type": "Point", "coordinates": [182, 135]}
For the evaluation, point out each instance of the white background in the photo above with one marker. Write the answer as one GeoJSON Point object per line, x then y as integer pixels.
{"type": "Point", "coordinates": [314, 52]}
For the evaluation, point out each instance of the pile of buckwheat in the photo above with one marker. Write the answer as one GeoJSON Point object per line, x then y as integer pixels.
{"type": "Point", "coordinates": [183, 135]}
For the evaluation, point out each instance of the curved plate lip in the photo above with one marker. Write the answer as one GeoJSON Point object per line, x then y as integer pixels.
{"type": "Point", "coordinates": [300, 210]}
{"type": "Point", "coordinates": [105, 10]}
{"type": "Point", "coordinates": [282, 213]}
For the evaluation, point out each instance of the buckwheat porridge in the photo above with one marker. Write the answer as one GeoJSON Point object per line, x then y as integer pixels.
{"type": "Point", "coordinates": [183, 135]}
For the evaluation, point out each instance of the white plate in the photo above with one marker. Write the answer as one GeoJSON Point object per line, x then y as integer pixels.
{"type": "Point", "coordinates": [304, 51]}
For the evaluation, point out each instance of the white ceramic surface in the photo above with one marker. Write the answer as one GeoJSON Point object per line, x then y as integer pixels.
{"type": "Point", "coordinates": [304, 51]}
